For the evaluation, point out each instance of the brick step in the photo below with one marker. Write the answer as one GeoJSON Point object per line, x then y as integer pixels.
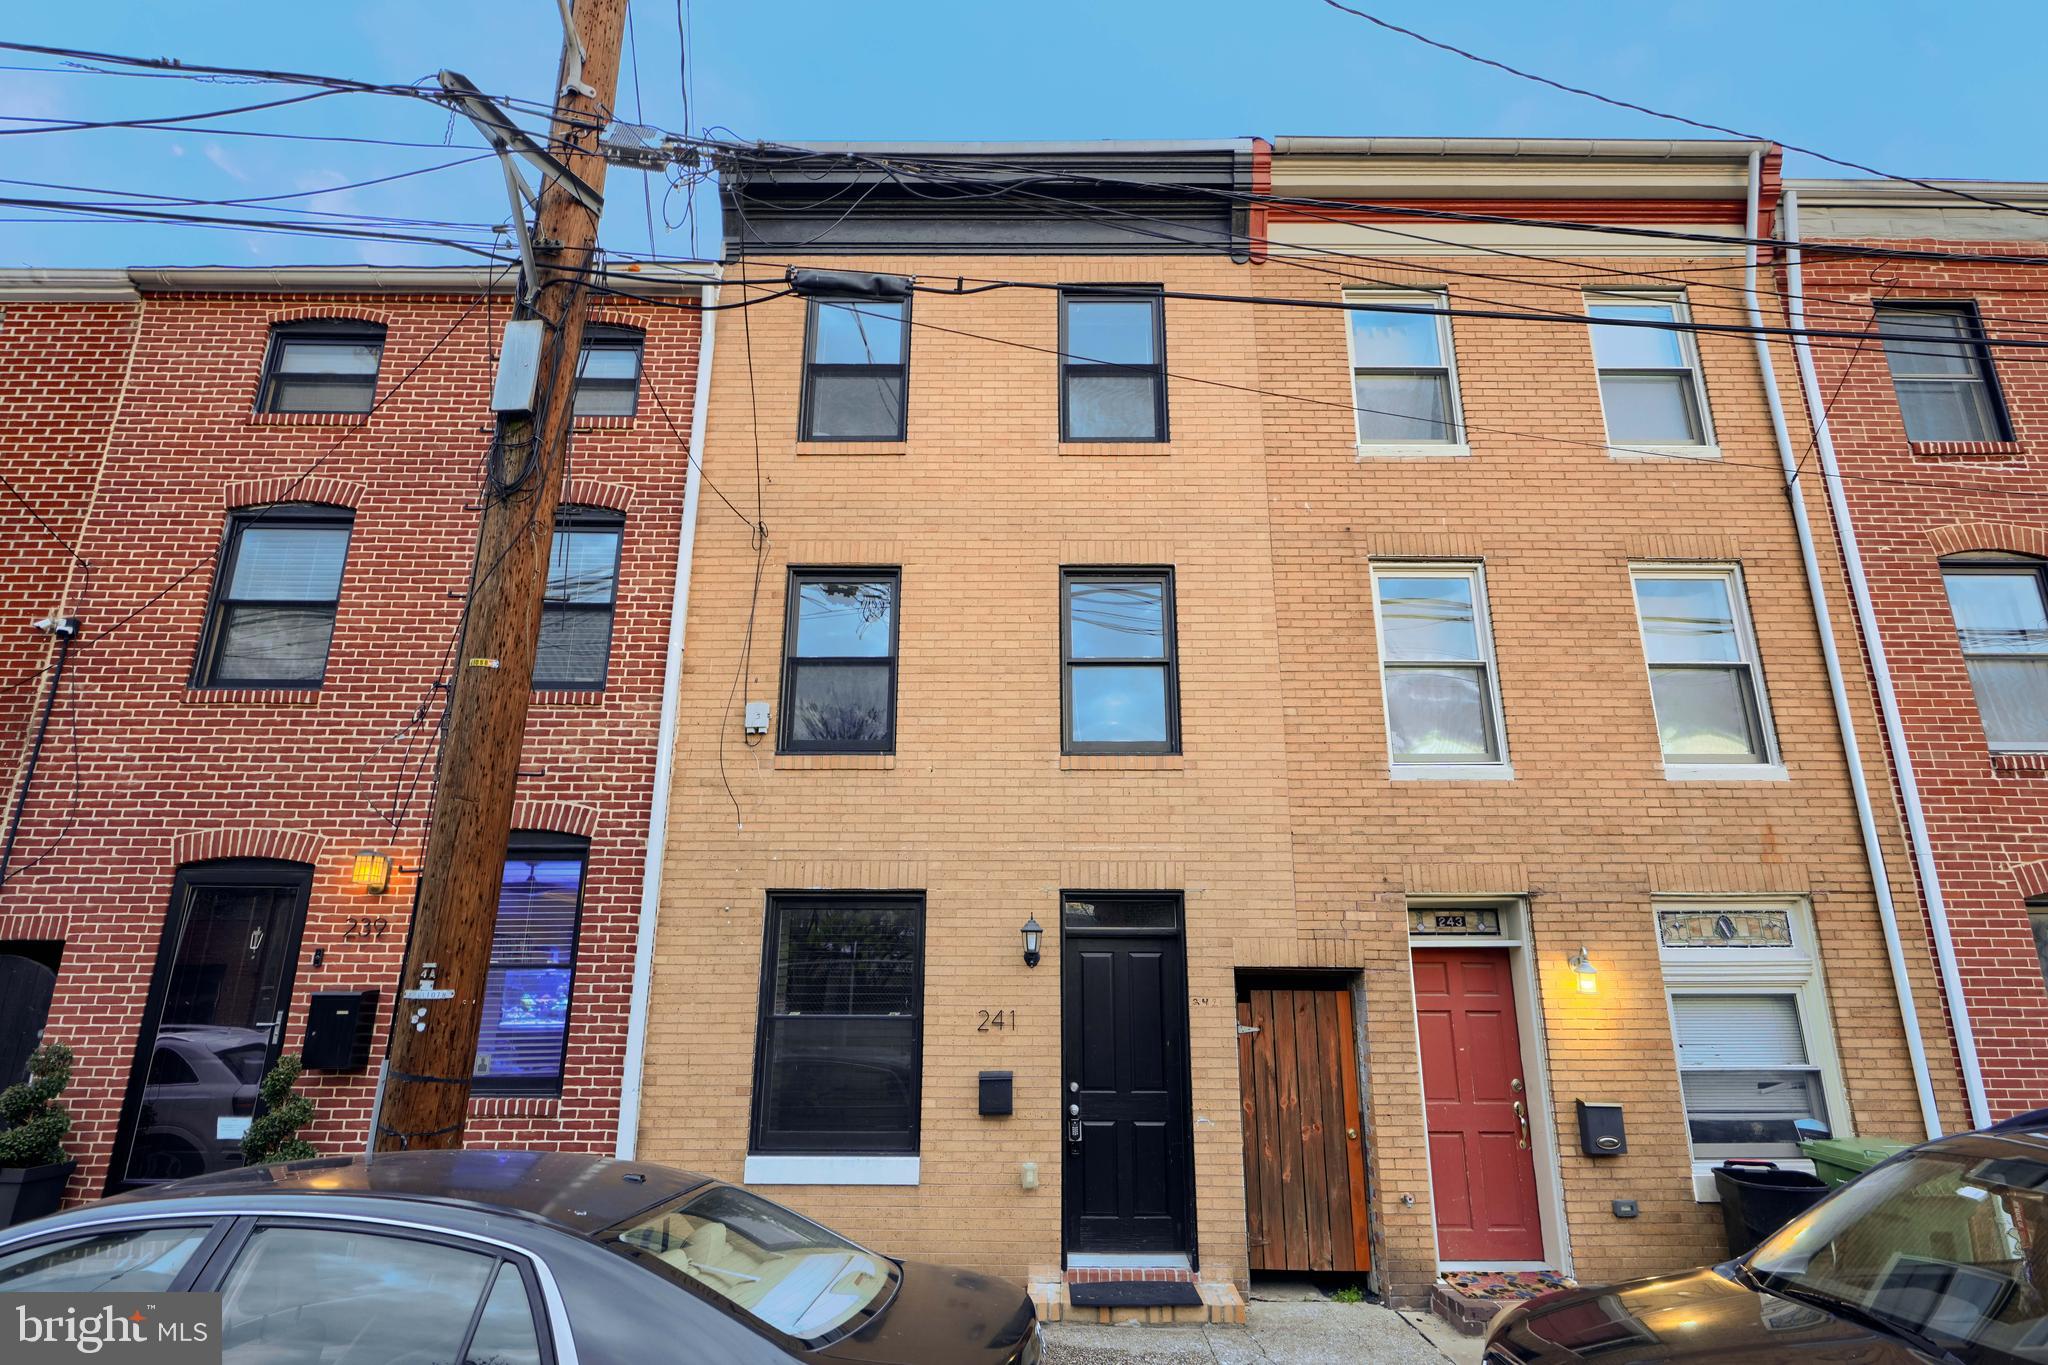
{"type": "Point", "coordinates": [1471, 1312]}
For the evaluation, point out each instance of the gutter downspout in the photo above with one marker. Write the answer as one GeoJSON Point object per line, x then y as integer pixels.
{"type": "Point", "coordinates": [1887, 697]}
{"type": "Point", "coordinates": [664, 754]}
{"type": "Point", "coordinates": [1845, 721]}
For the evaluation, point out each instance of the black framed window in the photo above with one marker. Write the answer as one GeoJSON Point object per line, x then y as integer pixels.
{"type": "Point", "coordinates": [838, 1060]}
{"type": "Point", "coordinates": [1120, 673]}
{"type": "Point", "coordinates": [524, 1033]}
{"type": "Point", "coordinates": [856, 369]}
{"type": "Point", "coordinates": [1112, 365]}
{"type": "Point", "coordinates": [321, 367]}
{"type": "Point", "coordinates": [274, 598]}
{"type": "Point", "coordinates": [839, 662]}
{"type": "Point", "coordinates": [1942, 374]}
{"type": "Point", "coordinates": [582, 591]}
{"type": "Point", "coordinates": [608, 372]}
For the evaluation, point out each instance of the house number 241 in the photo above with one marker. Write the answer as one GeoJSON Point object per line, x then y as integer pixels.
{"type": "Point", "coordinates": [994, 1019]}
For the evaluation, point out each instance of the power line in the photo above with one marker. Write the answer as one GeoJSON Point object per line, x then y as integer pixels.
{"type": "Point", "coordinates": [164, 121]}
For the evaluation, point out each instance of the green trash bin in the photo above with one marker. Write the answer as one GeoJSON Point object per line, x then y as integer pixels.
{"type": "Point", "coordinates": [1840, 1160]}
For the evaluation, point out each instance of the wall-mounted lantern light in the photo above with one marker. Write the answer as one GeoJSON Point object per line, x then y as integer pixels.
{"type": "Point", "coordinates": [1589, 976]}
{"type": "Point", "coordinates": [372, 871]}
{"type": "Point", "coordinates": [1032, 933]}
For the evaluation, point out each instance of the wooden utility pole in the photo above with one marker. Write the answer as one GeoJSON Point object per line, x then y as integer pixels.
{"type": "Point", "coordinates": [434, 1031]}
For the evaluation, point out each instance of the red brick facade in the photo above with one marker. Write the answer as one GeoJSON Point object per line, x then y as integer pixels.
{"type": "Point", "coordinates": [1914, 504]}
{"type": "Point", "coordinates": [141, 480]}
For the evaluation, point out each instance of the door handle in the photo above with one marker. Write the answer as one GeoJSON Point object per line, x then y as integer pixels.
{"type": "Point", "coordinates": [1521, 1125]}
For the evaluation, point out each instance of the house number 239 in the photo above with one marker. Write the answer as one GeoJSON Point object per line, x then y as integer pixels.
{"type": "Point", "coordinates": [994, 1019]}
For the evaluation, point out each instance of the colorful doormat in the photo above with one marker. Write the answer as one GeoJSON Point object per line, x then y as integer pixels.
{"type": "Point", "coordinates": [1505, 1284]}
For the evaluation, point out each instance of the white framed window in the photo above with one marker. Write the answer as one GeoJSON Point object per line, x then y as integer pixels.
{"type": "Point", "coordinates": [1749, 1027]}
{"type": "Point", "coordinates": [2001, 617]}
{"type": "Point", "coordinates": [1651, 392]}
{"type": "Point", "coordinates": [1437, 673]}
{"type": "Point", "coordinates": [1404, 377]}
{"type": "Point", "coordinates": [1706, 682]}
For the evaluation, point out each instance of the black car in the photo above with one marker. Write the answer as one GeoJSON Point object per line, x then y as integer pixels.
{"type": "Point", "coordinates": [1938, 1254]}
{"type": "Point", "coordinates": [517, 1258]}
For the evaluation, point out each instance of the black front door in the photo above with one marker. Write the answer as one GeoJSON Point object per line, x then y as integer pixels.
{"type": "Point", "coordinates": [1124, 1043]}
{"type": "Point", "coordinates": [214, 1020]}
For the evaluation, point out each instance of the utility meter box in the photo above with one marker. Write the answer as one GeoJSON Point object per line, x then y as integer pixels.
{"type": "Point", "coordinates": [518, 367]}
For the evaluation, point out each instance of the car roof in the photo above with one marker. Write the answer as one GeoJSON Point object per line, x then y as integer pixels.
{"type": "Point", "coordinates": [578, 1192]}
{"type": "Point", "coordinates": [2033, 1123]}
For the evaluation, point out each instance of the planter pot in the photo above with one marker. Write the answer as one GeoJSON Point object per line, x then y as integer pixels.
{"type": "Point", "coordinates": [32, 1191]}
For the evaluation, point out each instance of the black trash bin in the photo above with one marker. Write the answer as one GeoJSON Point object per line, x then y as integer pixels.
{"type": "Point", "coordinates": [1757, 1199]}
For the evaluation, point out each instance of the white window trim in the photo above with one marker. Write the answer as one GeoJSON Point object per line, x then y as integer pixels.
{"type": "Point", "coordinates": [1708, 447]}
{"type": "Point", "coordinates": [831, 1170]}
{"type": "Point", "coordinates": [1991, 565]}
{"type": "Point", "coordinates": [1498, 770]}
{"type": "Point", "coordinates": [1768, 766]}
{"type": "Point", "coordinates": [1455, 448]}
{"type": "Point", "coordinates": [1721, 971]}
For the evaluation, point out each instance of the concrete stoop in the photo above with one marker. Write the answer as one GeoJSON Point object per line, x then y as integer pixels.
{"type": "Point", "coordinates": [1221, 1306]}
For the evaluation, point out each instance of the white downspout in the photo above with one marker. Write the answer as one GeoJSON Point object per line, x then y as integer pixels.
{"type": "Point", "coordinates": [1845, 720]}
{"type": "Point", "coordinates": [664, 754]}
{"type": "Point", "coordinates": [1887, 697]}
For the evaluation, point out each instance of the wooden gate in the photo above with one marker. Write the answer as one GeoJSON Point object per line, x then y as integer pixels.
{"type": "Point", "coordinates": [1304, 1153]}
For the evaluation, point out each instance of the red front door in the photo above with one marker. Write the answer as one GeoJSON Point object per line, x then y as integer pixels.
{"type": "Point", "coordinates": [1480, 1168]}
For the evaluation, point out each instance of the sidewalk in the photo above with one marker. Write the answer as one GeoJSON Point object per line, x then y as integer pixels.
{"type": "Point", "coordinates": [1285, 1326]}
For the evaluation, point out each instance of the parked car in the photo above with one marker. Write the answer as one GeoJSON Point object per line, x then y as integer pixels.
{"type": "Point", "coordinates": [517, 1258]}
{"type": "Point", "coordinates": [1938, 1254]}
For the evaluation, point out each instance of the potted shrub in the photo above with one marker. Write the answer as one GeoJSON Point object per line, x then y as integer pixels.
{"type": "Point", "coordinates": [33, 1163]}
{"type": "Point", "coordinates": [274, 1134]}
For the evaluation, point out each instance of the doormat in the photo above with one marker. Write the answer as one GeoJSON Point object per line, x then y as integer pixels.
{"type": "Point", "coordinates": [1505, 1284]}
{"type": "Point", "coordinates": [1134, 1294]}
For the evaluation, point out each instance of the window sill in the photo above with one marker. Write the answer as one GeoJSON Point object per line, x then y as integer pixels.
{"type": "Point", "coordinates": [1657, 452]}
{"type": "Point", "coordinates": [514, 1106]}
{"type": "Point", "coordinates": [1726, 772]}
{"type": "Point", "coordinates": [1704, 1191]}
{"type": "Point", "coordinates": [1453, 772]}
{"type": "Point", "coordinates": [831, 1170]}
{"type": "Point", "coordinates": [818, 762]}
{"type": "Point", "coordinates": [611, 423]}
{"type": "Point", "coordinates": [1096, 763]}
{"type": "Point", "coordinates": [565, 696]}
{"type": "Point", "coordinates": [1949, 450]}
{"type": "Point", "coordinates": [852, 448]}
{"type": "Point", "coordinates": [308, 419]}
{"type": "Point", "coordinates": [1113, 449]}
{"type": "Point", "coordinates": [1419, 450]}
{"type": "Point", "coordinates": [2019, 763]}
{"type": "Point", "coordinates": [251, 696]}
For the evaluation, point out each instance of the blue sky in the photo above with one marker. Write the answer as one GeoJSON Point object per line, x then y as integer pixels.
{"type": "Point", "coordinates": [1884, 83]}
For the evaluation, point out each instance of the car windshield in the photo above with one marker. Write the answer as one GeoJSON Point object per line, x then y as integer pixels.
{"type": "Point", "coordinates": [1950, 1245]}
{"type": "Point", "coordinates": [778, 1267]}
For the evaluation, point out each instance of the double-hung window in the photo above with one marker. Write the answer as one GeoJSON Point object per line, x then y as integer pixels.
{"type": "Point", "coordinates": [1705, 681]}
{"type": "Point", "coordinates": [1112, 365]}
{"type": "Point", "coordinates": [321, 367]}
{"type": "Point", "coordinates": [1941, 371]}
{"type": "Point", "coordinates": [856, 370]}
{"type": "Point", "coordinates": [1403, 382]}
{"type": "Point", "coordinates": [2002, 624]}
{"type": "Point", "coordinates": [274, 599]}
{"type": "Point", "coordinates": [1436, 667]}
{"type": "Point", "coordinates": [837, 1066]}
{"type": "Point", "coordinates": [839, 662]}
{"type": "Point", "coordinates": [1650, 387]}
{"type": "Point", "coordinates": [525, 1029]}
{"type": "Point", "coordinates": [582, 591]}
{"type": "Point", "coordinates": [1121, 692]}
{"type": "Point", "coordinates": [608, 372]}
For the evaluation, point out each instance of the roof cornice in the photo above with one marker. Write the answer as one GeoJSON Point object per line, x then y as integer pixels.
{"type": "Point", "coordinates": [112, 286]}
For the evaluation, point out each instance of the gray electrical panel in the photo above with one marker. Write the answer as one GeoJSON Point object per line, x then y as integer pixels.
{"type": "Point", "coordinates": [518, 367]}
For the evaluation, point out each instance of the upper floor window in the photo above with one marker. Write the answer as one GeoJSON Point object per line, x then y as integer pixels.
{"type": "Point", "coordinates": [1112, 365]}
{"type": "Point", "coordinates": [2037, 916]}
{"type": "Point", "coordinates": [582, 591]}
{"type": "Point", "coordinates": [1119, 664]}
{"type": "Point", "coordinates": [525, 1028]}
{"type": "Point", "coordinates": [1705, 682]}
{"type": "Point", "coordinates": [839, 662]}
{"type": "Point", "coordinates": [1650, 384]}
{"type": "Point", "coordinates": [856, 370]}
{"type": "Point", "coordinates": [1436, 660]}
{"type": "Point", "coordinates": [1942, 374]}
{"type": "Point", "coordinates": [1402, 378]}
{"type": "Point", "coordinates": [2002, 623]}
{"type": "Point", "coordinates": [321, 367]}
{"type": "Point", "coordinates": [608, 372]}
{"type": "Point", "coordinates": [274, 598]}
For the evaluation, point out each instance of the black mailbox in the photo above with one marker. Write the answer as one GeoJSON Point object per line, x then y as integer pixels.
{"type": "Point", "coordinates": [995, 1093]}
{"type": "Point", "coordinates": [338, 1029]}
{"type": "Point", "coordinates": [1600, 1130]}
